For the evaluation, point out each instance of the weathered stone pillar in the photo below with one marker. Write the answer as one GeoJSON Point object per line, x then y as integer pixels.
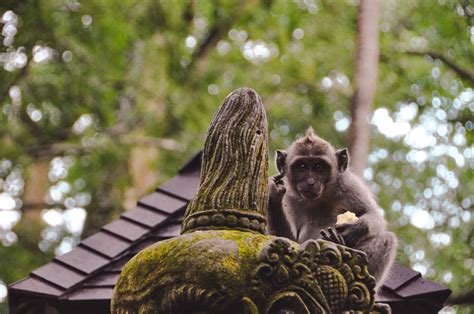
{"type": "Point", "coordinates": [223, 262]}
{"type": "Point", "coordinates": [234, 174]}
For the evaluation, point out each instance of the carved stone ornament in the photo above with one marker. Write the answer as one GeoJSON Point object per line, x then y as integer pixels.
{"type": "Point", "coordinates": [223, 262]}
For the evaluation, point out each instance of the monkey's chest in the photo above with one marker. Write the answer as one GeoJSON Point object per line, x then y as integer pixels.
{"type": "Point", "coordinates": [307, 224]}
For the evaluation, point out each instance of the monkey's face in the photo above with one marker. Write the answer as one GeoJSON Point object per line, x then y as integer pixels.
{"type": "Point", "coordinates": [309, 176]}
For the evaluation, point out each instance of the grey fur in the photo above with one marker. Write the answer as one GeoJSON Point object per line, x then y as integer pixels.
{"type": "Point", "coordinates": [294, 216]}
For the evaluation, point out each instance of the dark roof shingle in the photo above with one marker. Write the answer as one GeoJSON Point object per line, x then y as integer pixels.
{"type": "Point", "coordinates": [162, 202]}
{"type": "Point", "coordinates": [106, 244]}
{"type": "Point", "coordinates": [126, 229]}
{"type": "Point", "coordinates": [83, 260]}
{"type": "Point", "coordinates": [399, 276]}
{"type": "Point", "coordinates": [59, 275]}
{"type": "Point", "coordinates": [145, 216]}
{"type": "Point", "coordinates": [38, 286]}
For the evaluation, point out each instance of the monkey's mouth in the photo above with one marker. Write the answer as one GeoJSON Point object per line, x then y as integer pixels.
{"type": "Point", "coordinates": [310, 194]}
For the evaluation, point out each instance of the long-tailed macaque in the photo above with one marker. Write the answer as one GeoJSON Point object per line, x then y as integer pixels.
{"type": "Point", "coordinates": [313, 187]}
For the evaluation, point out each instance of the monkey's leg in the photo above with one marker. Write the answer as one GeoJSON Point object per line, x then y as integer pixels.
{"type": "Point", "coordinates": [381, 250]}
{"type": "Point", "coordinates": [307, 232]}
{"type": "Point", "coordinates": [277, 224]}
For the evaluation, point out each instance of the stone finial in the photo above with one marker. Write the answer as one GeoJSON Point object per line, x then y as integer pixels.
{"type": "Point", "coordinates": [233, 191]}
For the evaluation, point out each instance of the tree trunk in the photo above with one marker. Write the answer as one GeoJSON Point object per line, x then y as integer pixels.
{"type": "Point", "coordinates": [365, 82]}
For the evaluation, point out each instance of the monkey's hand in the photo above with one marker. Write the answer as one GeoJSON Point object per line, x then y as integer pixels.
{"type": "Point", "coordinates": [276, 189]}
{"type": "Point", "coordinates": [277, 179]}
{"type": "Point", "coordinates": [277, 222]}
{"type": "Point", "coordinates": [330, 234]}
{"type": "Point", "coordinates": [353, 232]}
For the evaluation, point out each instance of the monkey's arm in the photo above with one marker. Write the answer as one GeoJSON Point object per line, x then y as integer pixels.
{"type": "Point", "coordinates": [369, 233]}
{"type": "Point", "coordinates": [277, 222]}
{"type": "Point", "coordinates": [352, 194]}
{"type": "Point", "coordinates": [381, 251]}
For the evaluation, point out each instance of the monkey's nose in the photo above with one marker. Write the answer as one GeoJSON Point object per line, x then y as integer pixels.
{"type": "Point", "coordinates": [310, 181]}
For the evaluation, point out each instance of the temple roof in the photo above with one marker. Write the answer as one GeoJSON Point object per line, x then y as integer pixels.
{"type": "Point", "coordinates": [83, 279]}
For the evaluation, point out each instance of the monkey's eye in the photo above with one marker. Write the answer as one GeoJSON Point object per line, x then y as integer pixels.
{"type": "Point", "coordinates": [299, 166]}
{"type": "Point", "coordinates": [318, 166]}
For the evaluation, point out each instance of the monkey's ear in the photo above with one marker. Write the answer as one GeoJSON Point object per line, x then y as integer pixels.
{"type": "Point", "coordinates": [281, 160]}
{"type": "Point", "coordinates": [342, 156]}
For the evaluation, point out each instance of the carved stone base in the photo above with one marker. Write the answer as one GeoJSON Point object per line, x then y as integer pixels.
{"type": "Point", "coordinates": [226, 271]}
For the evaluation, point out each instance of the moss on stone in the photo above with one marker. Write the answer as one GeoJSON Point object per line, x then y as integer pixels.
{"type": "Point", "coordinates": [217, 260]}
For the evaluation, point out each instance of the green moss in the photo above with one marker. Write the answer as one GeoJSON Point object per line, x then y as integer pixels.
{"type": "Point", "coordinates": [220, 260]}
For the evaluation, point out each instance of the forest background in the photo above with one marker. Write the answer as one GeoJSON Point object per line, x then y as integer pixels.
{"type": "Point", "coordinates": [102, 100]}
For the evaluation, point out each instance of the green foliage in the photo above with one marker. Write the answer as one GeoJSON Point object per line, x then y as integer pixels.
{"type": "Point", "coordinates": [149, 75]}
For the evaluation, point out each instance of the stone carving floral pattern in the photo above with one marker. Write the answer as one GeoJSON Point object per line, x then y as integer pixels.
{"type": "Point", "coordinates": [327, 277]}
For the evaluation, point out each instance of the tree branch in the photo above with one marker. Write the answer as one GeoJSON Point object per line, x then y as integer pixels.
{"type": "Point", "coordinates": [54, 149]}
{"type": "Point", "coordinates": [467, 12]}
{"type": "Point", "coordinates": [213, 36]}
{"type": "Point", "coordinates": [464, 74]}
{"type": "Point", "coordinates": [31, 206]}
{"type": "Point", "coordinates": [365, 79]}
{"type": "Point", "coordinates": [220, 27]}
{"type": "Point", "coordinates": [44, 151]}
{"type": "Point", "coordinates": [463, 298]}
{"type": "Point", "coordinates": [165, 143]}
{"type": "Point", "coordinates": [20, 75]}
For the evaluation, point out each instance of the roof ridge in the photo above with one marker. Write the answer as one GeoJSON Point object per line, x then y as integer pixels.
{"type": "Point", "coordinates": [193, 164]}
